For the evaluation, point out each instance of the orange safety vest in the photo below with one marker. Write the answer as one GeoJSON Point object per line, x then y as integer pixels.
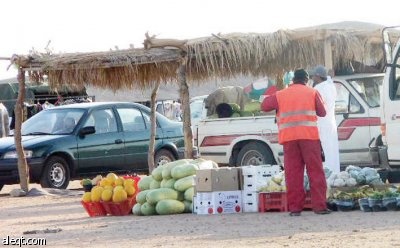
{"type": "Point", "coordinates": [296, 117]}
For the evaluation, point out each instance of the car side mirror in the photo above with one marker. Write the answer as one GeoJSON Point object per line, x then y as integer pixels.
{"type": "Point", "coordinates": [341, 107]}
{"type": "Point", "coordinates": [87, 130]}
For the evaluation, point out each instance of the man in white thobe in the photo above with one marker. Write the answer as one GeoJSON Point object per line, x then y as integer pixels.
{"type": "Point", "coordinates": [327, 125]}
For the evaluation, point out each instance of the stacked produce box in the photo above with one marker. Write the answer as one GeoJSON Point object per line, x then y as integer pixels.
{"type": "Point", "coordinates": [254, 179]}
{"type": "Point", "coordinates": [218, 191]}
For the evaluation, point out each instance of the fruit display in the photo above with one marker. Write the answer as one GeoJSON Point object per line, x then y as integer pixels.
{"type": "Point", "coordinates": [169, 189]}
{"type": "Point", "coordinates": [116, 194]}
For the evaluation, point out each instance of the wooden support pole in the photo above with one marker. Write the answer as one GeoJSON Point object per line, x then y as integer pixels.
{"type": "Point", "coordinates": [150, 156]}
{"type": "Point", "coordinates": [185, 104]}
{"type": "Point", "coordinates": [23, 169]}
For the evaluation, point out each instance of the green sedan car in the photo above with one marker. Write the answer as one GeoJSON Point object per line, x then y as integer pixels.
{"type": "Point", "coordinates": [84, 139]}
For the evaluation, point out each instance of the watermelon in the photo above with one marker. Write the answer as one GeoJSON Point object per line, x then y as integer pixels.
{"type": "Point", "coordinates": [184, 170]}
{"type": "Point", "coordinates": [157, 195]}
{"type": "Point", "coordinates": [141, 196]}
{"type": "Point", "coordinates": [188, 206]}
{"type": "Point", "coordinates": [155, 184]}
{"type": "Point", "coordinates": [184, 183]}
{"type": "Point", "coordinates": [168, 183]}
{"type": "Point", "coordinates": [136, 209]}
{"type": "Point", "coordinates": [148, 209]}
{"type": "Point", "coordinates": [166, 172]}
{"type": "Point", "coordinates": [181, 196]}
{"type": "Point", "coordinates": [235, 107]}
{"type": "Point", "coordinates": [254, 106]}
{"type": "Point", "coordinates": [189, 194]}
{"type": "Point", "coordinates": [144, 182]}
{"type": "Point", "coordinates": [157, 173]}
{"type": "Point", "coordinates": [169, 206]}
{"type": "Point", "coordinates": [246, 114]}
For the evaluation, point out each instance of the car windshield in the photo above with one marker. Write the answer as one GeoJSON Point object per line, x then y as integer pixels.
{"type": "Point", "coordinates": [52, 121]}
{"type": "Point", "coordinates": [368, 89]}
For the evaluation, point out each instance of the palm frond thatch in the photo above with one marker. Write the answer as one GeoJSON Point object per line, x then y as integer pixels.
{"type": "Point", "coordinates": [222, 56]}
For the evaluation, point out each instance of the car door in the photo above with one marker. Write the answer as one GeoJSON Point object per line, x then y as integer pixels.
{"type": "Point", "coordinates": [352, 119]}
{"type": "Point", "coordinates": [102, 151]}
{"type": "Point", "coordinates": [136, 130]}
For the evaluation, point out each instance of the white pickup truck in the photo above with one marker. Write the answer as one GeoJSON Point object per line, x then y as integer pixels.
{"type": "Point", "coordinates": [390, 101]}
{"type": "Point", "coordinates": [253, 140]}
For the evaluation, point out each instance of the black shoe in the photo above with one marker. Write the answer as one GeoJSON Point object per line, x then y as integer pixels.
{"type": "Point", "coordinates": [325, 211]}
{"type": "Point", "coordinates": [295, 213]}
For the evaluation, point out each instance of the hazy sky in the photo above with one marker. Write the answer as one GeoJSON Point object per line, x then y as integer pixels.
{"type": "Point", "coordinates": [98, 25]}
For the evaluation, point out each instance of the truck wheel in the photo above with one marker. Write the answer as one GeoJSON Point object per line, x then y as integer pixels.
{"type": "Point", "coordinates": [55, 174]}
{"type": "Point", "coordinates": [254, 153]}
{"type": "Point", "coordinates": [163, 156]}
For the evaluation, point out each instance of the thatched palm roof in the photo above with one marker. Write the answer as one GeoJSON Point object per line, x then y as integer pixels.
{"type": "Point", "coordinates": [220, 56]}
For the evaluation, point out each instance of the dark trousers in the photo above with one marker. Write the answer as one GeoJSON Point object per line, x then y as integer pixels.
{"type": "Point", "coordinates": [298, 155]}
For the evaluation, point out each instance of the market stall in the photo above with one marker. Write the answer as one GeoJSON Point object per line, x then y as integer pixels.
{"type": "Point", "coordinates": [164, 61]}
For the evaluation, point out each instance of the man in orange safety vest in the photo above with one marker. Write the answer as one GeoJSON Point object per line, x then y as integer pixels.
{"type": "Point", "coordinates": [297, 109]}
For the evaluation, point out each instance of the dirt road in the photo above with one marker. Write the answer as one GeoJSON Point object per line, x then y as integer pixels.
{"type": "Point", "coordinates": [62, 221]}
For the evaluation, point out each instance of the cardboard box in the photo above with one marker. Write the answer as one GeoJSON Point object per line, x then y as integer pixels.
{"type": "Point", "coordinates": [219, 202]}
{"type": "Point", "coordinates": [250, 201]}
{"type": "Point", "coordinates": [253, 177]}
{"type": "Point", "coordinates": [204, 203]}
{"type": "Point", "coordinates": [194, 205]}
{"type": "Point", "coordinates": [217, 179]}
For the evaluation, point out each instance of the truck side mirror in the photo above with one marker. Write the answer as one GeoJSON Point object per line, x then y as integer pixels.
{"type": "Point", "coordinates": [341, 107]}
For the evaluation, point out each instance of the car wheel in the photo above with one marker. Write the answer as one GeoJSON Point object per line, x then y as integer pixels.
{"type": "Point", "coordinates": [55, 174]}
{"type": "Point", "coordinates": [163, 156]}
{"type": "Point", "coordinates": [254, 153]}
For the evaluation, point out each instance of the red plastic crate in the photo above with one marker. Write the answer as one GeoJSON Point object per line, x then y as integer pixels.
{"type": "Point", "coordinates": [278, 201]}
{"type": "Point", "coordinates": [307, 203]}
{"type": "Point", "coordinates": [272, 201]}
{"type": "Point", "coordinates": [122, 208]}
{"type": "Point", "coordinates": [94, 208]}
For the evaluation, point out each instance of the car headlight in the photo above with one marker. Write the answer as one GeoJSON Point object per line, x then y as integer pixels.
{"type": "Point", "coordinates": [13, 154]}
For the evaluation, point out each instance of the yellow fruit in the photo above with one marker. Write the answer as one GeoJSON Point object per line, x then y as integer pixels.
{"type": "Point", "coordinates": [112, 177]}
{"type": "Point", "coordinates": [105, 181]}
{"type": "Point", "coordinates": [119, 195]}
{"type": "Point", "coordinates": [86, 197]}
{"type": "Point", "coordinates": [96, 193]}
{"type": "Point", "coordinates": [118, 187]}
{"type": "Point", "coordinates": [119, 181]}
{"type": "Point", "coordinates": [130, 190]}
{"type": "Point", "coordinates": [109, 187]}
{"type": "Point", "coordinates": [129, 181]}
{"type": "Point", "coordinates": [106, 195]}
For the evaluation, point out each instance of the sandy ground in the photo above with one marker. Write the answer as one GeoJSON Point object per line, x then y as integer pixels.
{"type": "Point", "coordinates": [64, 214]}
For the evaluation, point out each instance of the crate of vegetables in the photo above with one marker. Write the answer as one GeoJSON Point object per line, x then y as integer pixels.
{"type": "Point", "coordinates": [277, 201]}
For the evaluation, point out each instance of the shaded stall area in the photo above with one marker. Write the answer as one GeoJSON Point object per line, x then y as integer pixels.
{"type": "Point", "coordinates": [192, 62]}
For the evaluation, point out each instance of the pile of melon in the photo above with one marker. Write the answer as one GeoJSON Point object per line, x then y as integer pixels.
{"type": "Point", "coordinates": [111, 188]}
{"type": "Point", "coordinates": [170, 188]}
